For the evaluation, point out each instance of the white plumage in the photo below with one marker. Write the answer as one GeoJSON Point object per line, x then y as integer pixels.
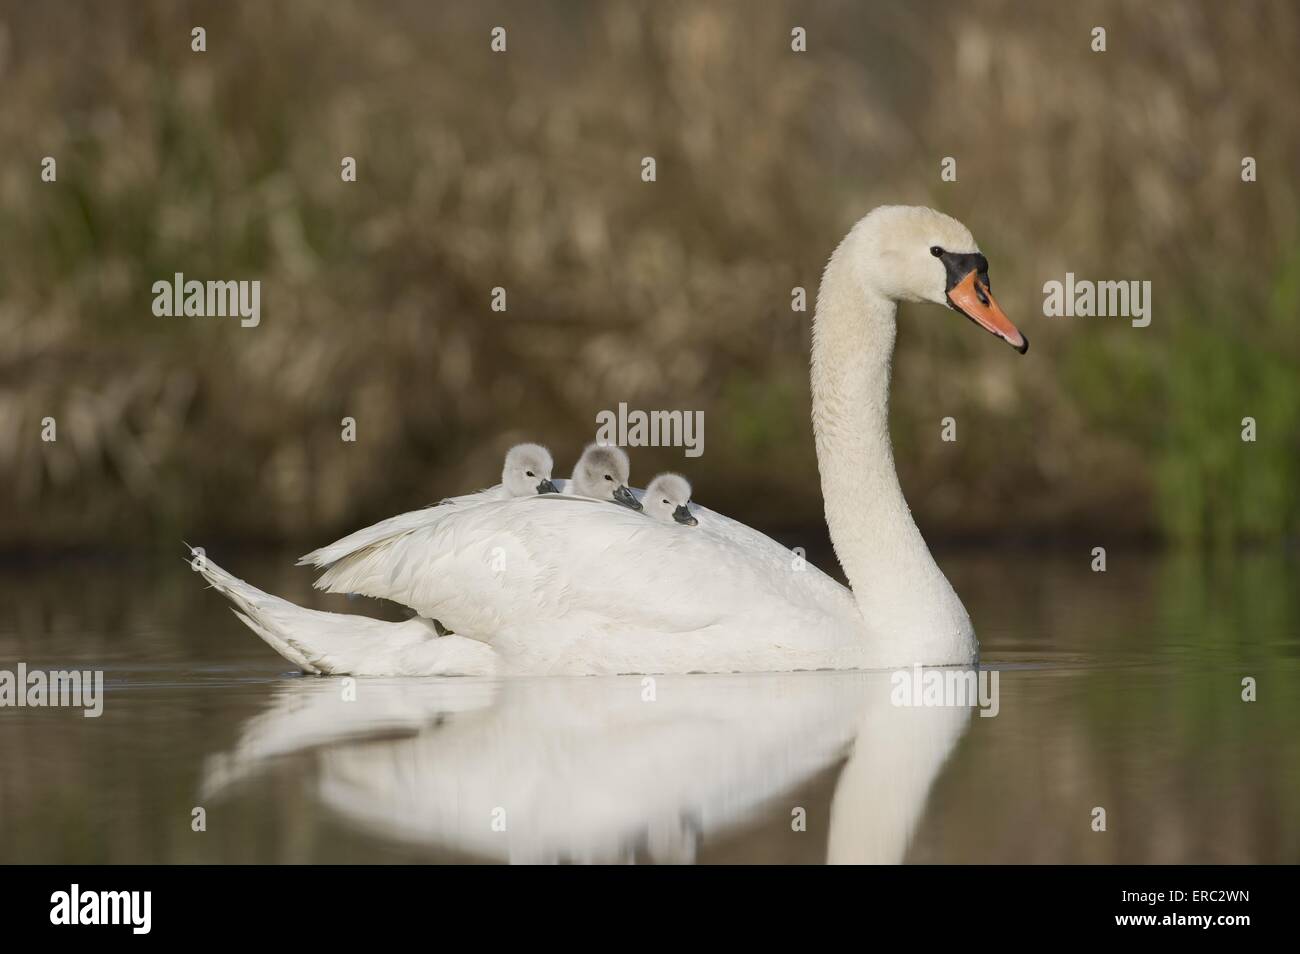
{"type": "Point", "coordinates": [332, 643]}
{"type": "Point", "coordinates": [563, 584]}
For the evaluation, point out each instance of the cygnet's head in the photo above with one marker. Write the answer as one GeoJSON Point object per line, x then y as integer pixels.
{"type": "Point", "coordinates": [667, 498]}
{"type": "Point", "coordinates": [527, 471]}
{"type": "Point", "coordinates": [603, 472]}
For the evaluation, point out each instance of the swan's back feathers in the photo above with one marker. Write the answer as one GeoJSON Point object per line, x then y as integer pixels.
{"type": "Point", "coordinates": [395, 526]}
{"type": "Point", "coordinates": [541, 577]}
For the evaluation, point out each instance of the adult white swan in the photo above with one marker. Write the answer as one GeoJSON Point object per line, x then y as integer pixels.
{"type": "Point", "coordinates": [557, 584]}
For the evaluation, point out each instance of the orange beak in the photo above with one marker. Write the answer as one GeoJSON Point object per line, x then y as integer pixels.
{"type": "Point", "coordinates": [974, 301]}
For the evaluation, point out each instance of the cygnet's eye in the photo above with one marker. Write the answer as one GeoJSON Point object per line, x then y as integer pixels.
{"type": "Point", "coordinates": [529, 473]}
{"type": "Point", "coordinates": [665, 501]}
{"type": "Point", "coordinates": [936, 251]}
{"type": "Point", "coordinates": [607, 477]}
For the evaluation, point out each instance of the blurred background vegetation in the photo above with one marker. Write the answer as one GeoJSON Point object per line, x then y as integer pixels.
{"type": "Point", "coordinates": [522, 170]}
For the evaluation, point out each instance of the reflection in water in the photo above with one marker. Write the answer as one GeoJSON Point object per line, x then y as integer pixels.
{"type": "Point", "coordinates": [594, 770]}
{"type": "Point", "coordinates": [1119, 689]}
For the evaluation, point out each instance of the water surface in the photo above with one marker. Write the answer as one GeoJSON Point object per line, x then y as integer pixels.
{"type": "Point", "coordinates": [1120, 690]}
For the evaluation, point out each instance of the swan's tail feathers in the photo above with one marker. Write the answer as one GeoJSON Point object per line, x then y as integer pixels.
{"type": "Point", "coordinates": [268, 616]}
{"type": "Point", "coordinates": [339, 643]}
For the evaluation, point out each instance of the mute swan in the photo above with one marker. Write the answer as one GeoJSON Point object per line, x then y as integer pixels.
{"type": "Point", "coordinates": [556, 585]}
{"type": "Point", "coordinates": [602, 472]}
{"type": "Point", "coordinates": [666, 498]}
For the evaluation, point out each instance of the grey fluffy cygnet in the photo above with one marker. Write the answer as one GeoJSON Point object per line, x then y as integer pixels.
{"type": "Point", "coordinates": [668, 498]}
{"type": "Point", "coordinates": [527, 471]}
{"type": "Point", "coordinates": [602, 472]}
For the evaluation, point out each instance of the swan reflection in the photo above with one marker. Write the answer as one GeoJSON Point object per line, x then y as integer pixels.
{"type": "Point", "coordinates": [606, 769]}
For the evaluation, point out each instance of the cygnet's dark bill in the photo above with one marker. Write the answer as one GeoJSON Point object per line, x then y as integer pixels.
{"type": "Point", "coordinates": [624, 496]}
{"type": "Point", "coordinates": [682, 515]}
{"type": "Point", "coordinates": [546, 487]}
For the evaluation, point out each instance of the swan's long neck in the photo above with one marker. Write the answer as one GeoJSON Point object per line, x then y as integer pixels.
{"type": "Point", "coordinates": [910, 611]}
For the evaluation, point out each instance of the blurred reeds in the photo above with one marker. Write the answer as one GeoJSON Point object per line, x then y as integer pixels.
{"type": "Point", "coordinates": [521, 170]}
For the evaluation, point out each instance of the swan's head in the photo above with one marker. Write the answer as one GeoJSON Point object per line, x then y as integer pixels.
{"type": "Point", "coordinates": [603, 472]}
{"type": "Point", "coordinates": [527, 471]}
{"type": "Point", "coordinates": [911, 253]}
{"type": "Point", "coordinates": [666, 498]}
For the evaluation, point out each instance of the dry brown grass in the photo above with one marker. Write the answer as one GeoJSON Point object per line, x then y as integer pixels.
{"type": "Point", "coordinates": [522, 171]}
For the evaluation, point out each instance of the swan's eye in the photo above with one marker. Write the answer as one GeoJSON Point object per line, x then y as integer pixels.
{"type": "Point", "coordinates": [936, 251]}
{"type": "Point", "coordinates": [529, 473]}
{"type": "Point", "coordinates": [665, 501]}
{"type": "Point", "coordinates": [609, 478]}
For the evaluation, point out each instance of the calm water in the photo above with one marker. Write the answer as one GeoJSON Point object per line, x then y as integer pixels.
{"type": "Point", "coordinates": [1119, 690]}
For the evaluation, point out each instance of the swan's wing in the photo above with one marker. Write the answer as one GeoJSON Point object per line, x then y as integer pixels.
{"type": "Point", "coordinates": [570, 570]}
{"type": "Point", "coordinates": [384, 530]}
